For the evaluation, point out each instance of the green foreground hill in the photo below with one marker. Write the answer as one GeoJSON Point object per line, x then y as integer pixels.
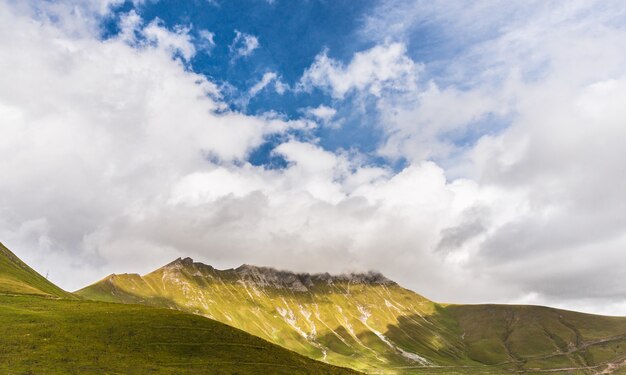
{"type": "Point", "coordinates": [370, 323]}
{"type": "Point", "coordinates": [18, 278]}
{"type": "Point", "coordinates": [45, 330]}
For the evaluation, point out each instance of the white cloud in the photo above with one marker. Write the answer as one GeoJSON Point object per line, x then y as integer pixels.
{"type": "Point", "coordinates": [383, 67]}
{"type": "Point", "coordinates": [421, 124]}
{"type": "Point", "coordinates": [177, 41]}
{"type": "Point", "coordinates": [207, 40]}
{"type": "Point", "coordinates": [129, 24]}
{"type": "Point", "coordinates": [322, 112]}
{"type": "Point", "coordinates": [121, 159]}
{"type": "Point", "coordinates": [76, 17]}
{"type": "Point", "coordinates": [155, 34]}
{"type": "Point", "coordinates": [267, 79]}
{"type": "Point", "coordinates": [556, 72]}
{"type": "Point", "coordinates": [244, 44]}
{"type": "Point", "coordinates": [98, 130]}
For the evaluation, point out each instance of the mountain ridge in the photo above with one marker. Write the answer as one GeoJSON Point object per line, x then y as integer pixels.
{"type": "Point", "coordinates": [253, 272]}
{"type": "Point", "coordinates": [370, 323]}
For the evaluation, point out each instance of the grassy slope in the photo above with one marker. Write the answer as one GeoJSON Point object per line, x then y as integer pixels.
{"type": "Point", "coordinates": [40, 335]}
{"type": "Point", "coordinates": [45, 330]}
{"type": "Point", "coordinates": [328, 324]}
{"type": "Point", "coordinates": [536, 337]}
{"type": "Point", "coordinates": [368, 326]}
{"type": "Point", "coordinates": [18, 278]}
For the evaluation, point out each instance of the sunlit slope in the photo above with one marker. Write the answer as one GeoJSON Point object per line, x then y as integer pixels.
{"type": "Point", "coordinates": [45, 336]}
{"type": "Point", "coordinates": [18, 278]}
{"type": "Point", "coordinates": [349, 320]}
{"type": "Point", "coordinates": [370, 323]}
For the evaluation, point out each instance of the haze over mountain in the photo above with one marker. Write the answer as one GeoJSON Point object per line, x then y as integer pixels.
{"type": "Point", "coordinates": [370, 323]}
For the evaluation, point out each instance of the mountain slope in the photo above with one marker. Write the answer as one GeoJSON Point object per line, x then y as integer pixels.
{"type": "Point", "coordinates": [18, 278]}
{"type": "Point", "coordinates": [46, 336]}
{"type": "Point", "coordinates": [370, 323]}
{"type": "Point", "coordinates": [65, 335]}
{"type": "Point", "coordinates": [308, 314]}
{"type": "Point", "coordinates": [536, 337]}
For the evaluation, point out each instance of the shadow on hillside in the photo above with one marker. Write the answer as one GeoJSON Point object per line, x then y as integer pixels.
{"type": "Point", "coordinates": [492, 338]}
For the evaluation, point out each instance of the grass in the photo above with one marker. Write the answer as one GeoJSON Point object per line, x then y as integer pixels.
{"type": "Point", "coordinates": [40, 335]}
{"type": "Point", "coordinates": [525, 338]}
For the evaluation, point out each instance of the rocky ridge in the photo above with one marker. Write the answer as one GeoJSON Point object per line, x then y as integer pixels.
{"type": "Point", "coordinates": [267, 277]}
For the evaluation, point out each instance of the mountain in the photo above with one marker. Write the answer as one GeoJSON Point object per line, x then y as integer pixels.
{"type": "Point", "coordinates": [45, 330]}
{"type": "Point", "coordinates": [370, 323]}
{"type": "Point", "coordinates": [16, 277]}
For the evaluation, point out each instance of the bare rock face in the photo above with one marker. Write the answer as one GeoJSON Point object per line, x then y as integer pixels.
{"type": "Point", "coordinates": [303, 282]}
{"type": "Point", "coordinates": [269, 277]}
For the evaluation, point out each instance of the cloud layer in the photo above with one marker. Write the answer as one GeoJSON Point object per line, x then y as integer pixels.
{"type": "Point", "coordinates": [118, 157]}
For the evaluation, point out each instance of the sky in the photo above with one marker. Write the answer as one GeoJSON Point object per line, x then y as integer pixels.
{"type": "Point", "coordinates": [471, 151]}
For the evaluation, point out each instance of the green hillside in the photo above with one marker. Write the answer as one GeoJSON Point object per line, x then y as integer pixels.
{"type": "Point", "coordinates": [372, 324]}
{"type": "Point", "coordinates": [535, 337]}
{"type": "Point", "coordinates": [43, 335]}
{"type": "Point", "coordinates": [18, 278]}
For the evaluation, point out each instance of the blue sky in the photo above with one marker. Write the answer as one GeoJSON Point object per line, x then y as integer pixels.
{"type": "Point", "coordinates": [472, 151]}
{"type": "Point", "coordinates": [290, 35]}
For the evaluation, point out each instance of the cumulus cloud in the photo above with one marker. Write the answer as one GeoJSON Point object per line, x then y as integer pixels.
{"type": "Point", "coordinates": [270, 81]}
{"type": "Point", "coordinates": [243, 44]}
{"type": "Point", "coordinates": [96, 129]}
{"type": "Point", "coordinates": [207, 40]}
{"type": "Point", "coordinates": [554, 73]}
{"type": "Point", "coordinates": [383, 67]}
{"type": "Point", "coordinates": [268, 78]}
{"type": "Point", "coordinates": [322, 113]}
{"type": "Point", "coordinates": [176, 42]}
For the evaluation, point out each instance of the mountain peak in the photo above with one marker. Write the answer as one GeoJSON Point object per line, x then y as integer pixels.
{"type": "Point", "coordinates": [180, 263]}
{"type": "Point", "coordinates": [187, 261]}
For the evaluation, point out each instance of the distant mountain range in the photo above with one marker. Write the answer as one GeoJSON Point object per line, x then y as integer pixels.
{"type": "Point", "coordinates": [370, 323]}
